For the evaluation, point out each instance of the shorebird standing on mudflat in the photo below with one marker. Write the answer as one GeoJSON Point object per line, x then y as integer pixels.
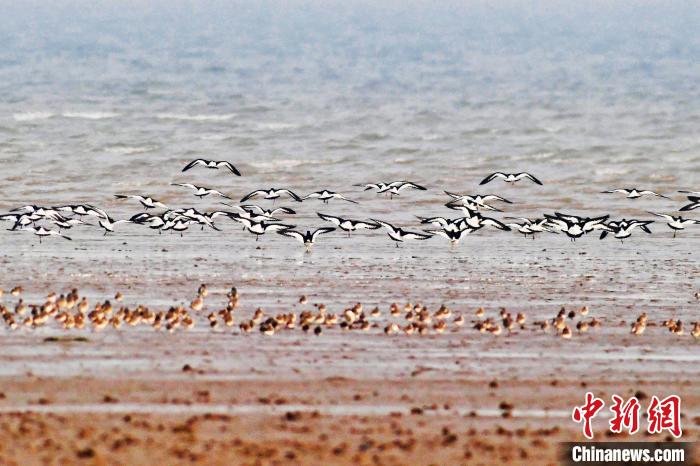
{"type": "Point", "coordinates": [623, 229]}
{"type": "Point", "coordinates": [42, 232]}
{"type": "Point", "coordinates": [677, 223]}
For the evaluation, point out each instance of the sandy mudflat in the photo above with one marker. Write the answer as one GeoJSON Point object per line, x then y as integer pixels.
{"type": "Point", "coordinates": [205, 396]}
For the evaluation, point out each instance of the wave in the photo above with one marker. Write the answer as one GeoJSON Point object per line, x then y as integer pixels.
{"type": "Point", "coordinates": [276, 126]}
{"type": "Point", "coordinates": [197, 117]}
{"type": "Point", "coordinates": [90, 115]}
{"type": "Point", "coordinates": [128, 150]}
{"type": "Point", "coordinates": [32, 116]}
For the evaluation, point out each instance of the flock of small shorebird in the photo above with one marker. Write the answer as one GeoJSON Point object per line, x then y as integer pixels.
{"type": "Point", "coordinates": [54, 221]}
{"type": "Point", "coordinates": [72, 311]}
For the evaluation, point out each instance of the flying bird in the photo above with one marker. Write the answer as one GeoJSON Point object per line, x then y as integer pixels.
{"type": "Point", "coordinates": [399, 234]}
{"type": "Point", "coordinates": [260, 228]}
{"type": "Point", "coordinates": [510, 177]}
{"type": "Point", "coordinates": [394, 188]}
{"type": "Point", "coordinates": [272, 193]}
{"type": "Point", "coordinates": [146, 201]}
{"type": "Point", "coordinates": [213, 164]}
{"type": "Point", "coordinates": [201, 191]}
{"type": "Point", "coordinates": [326, 195]}
{"type": "Point", "coordinates": [308, 238]}
{"type": "Point", "coordinates": [634, 193]}
{"type": "Point", "coordinates": [347, 224]}
{"type": "Point", "coordinates": [694, 203]}
{"type": "Point", "coordinates": [453, 235]}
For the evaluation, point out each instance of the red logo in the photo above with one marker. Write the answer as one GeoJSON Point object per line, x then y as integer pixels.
{"type": "Point", "coordinates": [587, 412]}
{"type": "Point", "coordinates": [665, 415]}
{"type": "Point", "coordinates": [624, 415]}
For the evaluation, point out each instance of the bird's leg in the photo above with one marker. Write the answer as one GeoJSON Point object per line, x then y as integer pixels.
{"type": "Point", "coordinates": [397, 245]}
{"type": "Point", "coordinates": [674, 233]}
{"type": "Point", "coordinates": [257, 237]}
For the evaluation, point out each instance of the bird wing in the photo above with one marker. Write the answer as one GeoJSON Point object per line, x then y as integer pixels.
{"type": "Point", "coordinates": [495, 223]}
{"type": "Point", "coordinates": [368, 226]}
{"type": "Point", "coordinates": [186, 185]}
{"type": "Point", "coordinates": [330, 218]}
{"type": "Point", "coordinates": [193, 163]}
{"type": "Point", "coordinates": [493, 176]}
{"type": "Point", "coordinates": [321, 231]}
{"type": "Point", "coordinates": [442, 233]}
{"type": "Point", "coordinates": [493, 197]}
{"type": "Point", "coordinates": [414, 235]}
{"type": "Point", "coordinates": [253, 194]}
{"type": "Point", "coordinates": [291, 194]}
{"type": "Point", "coordinates": [409, 184]}
{"type": "Point", "coordinates": [340, 196]}
{"type": "Point", "coordinates": [386, 225]}
{"type": "Point", "coordinates": [284, 210]}
{"type": "Point", "coordinates": [667, 217]}
{"type": "Point", "coordinates": [520, 176]}
{"type": "Point", "coordinates": [292, 234]}
{"type": "Point", "coordinates": [228, 165]}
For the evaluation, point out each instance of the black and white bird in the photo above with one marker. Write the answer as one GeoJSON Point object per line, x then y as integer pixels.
{"type": "Point", "coordinates": [248, 214]}
{"type": "Point", "coordinates": [20, 220]}
{"type": "Point", "coordinates": [623, 229]}
{"type": "Point", "coordinates": [399, 234]}
{"type": "Point", "coordinates": [694, 203]}
{"type": "Point", "coordinates": [269, 212]}
{"type": "Point", "coordinates": [42, 232]}
{"type": "Point", "coordinates": [530, 227]}
{"type": "Point", "coordinates": [475, 220]}
{"type": "Point", "coordinates": [510, 177]}
{"type": "Point", "coordinates": [68, 224]}
{"type": "Point", "coordinates": [634, 193]}
{"type": "Point", "coordinates": [453, 235]}
{"type": "Point", "coordinates": [326, 195]}
{"type": "Point", "coordinates": [82, 210]}
{"type": "Point", "coordinates": [272, 193]}
{"type": "Point", "coordinates": [447, 224]}
{"type": "Point", "coordinates": [347, 224]}
{"type": "Point", "coordinates": [574, 226]}
{"type": "Point", "coordinates": [260, 228]}
{"type": "Point", "coordinates": [380, 186]}
{"type": "Point", "coordinates": [478, 200]}
{"type": "Point", "coordinates": [395, 187]}
{"type": "Point", "coordinates": [154, 222]}
{"type": "Point", "coordinates": [146, 201]}
{"type": "Point", "coordinates": [201, 191]}
{"type": "Point", "coordinates": [676, 223]}
{"type": "Point", "coordinates": [109, 223]}
{"type": "Point", "coordinates": [213, 164]}
{"type": "Point", "coordinates": [49, 213]}
{"type": "Point", "coordinates": [308, 238]}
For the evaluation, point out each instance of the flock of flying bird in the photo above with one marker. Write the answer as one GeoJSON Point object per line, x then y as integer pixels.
{"type": "Point", "coordinates": [45, 221]}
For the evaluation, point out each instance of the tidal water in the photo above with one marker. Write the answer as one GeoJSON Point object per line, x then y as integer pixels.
{"type": "Point", "coordinates": [100, 98]}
